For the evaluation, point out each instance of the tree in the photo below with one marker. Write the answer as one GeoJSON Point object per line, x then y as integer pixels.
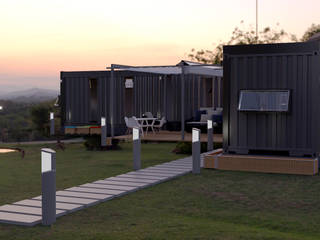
{"type": "Point", "coordinates": [313, 29]}
{"type": "Point", "coordinates": [40, 117]}
{"type": "Point", "coordinates": [241, 36]}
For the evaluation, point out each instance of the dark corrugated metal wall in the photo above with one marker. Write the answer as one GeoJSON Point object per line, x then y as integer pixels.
{"type": "Point", "coordinates": [291, 131]}
{"type": "Point", "coordinates": [159, 94]}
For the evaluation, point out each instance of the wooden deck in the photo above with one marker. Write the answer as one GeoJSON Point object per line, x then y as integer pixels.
{"type": "Point", "coordinates": [169, 136]}
{"type": "Point", "coordinates": [261, 163]}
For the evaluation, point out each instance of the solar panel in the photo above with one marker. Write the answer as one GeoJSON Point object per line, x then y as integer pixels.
{"type": "Point", "coordinates": [264, 100]}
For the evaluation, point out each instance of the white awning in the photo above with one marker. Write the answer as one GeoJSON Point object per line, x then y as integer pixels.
{"type": "Point", "coordinates": [158, 70]}
{"type": "Point", "coordinates": [215, 71]}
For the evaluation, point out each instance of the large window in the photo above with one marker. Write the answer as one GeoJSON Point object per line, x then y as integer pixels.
{"type": "Point", "coordinates": [264, 100]}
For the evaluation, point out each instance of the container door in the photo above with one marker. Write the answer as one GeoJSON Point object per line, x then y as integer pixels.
{"type": "Point", "coordinates": [128, 97]}
{"type": "Point", "coordinates": [128, 102]}
{"type": "Point", "coordinates": [207, 96]}
{"type": "Point", "coordinates": [93, 104]}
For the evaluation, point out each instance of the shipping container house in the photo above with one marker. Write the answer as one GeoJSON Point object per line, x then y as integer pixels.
{"type": "Point", "coordinates": [175, 92]}
{"type": "Point", "coordinates": [271, 99]}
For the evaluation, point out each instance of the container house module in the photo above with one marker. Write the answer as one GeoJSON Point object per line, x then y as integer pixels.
{"type": "Point", "coordinates": [271, 99]}
{"type": "Point", "coordinates": [175, 92]}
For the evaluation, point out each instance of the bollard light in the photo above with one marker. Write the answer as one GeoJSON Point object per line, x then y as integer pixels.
{"type": "Point", "coordinates": [195, 135]}
{"type": "Point", "coordinates": [103, 121]}
{"type": "Point", "coordinates": [196, 150]}
{"type": "Point", "coordinates": [46, 161]}
{"type": "Point", "coordinates": [103, 132]}
{"type": "Point", "coordinates": [135, 134]}
{"type": "Point", "coordinates": [48, 177]}
{"type": "Point", "coordinates": [210, 136]}
{"type": "Point", "coordinates": [136, 148]}
{"type": "Point", "coordinates": [51, 123]}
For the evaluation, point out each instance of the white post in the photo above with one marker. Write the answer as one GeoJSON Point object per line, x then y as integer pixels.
{"type": "Point", "coordinates": [210, 135]}
{"type": "Point", "coordinates": [51, 123]}
{"type": "Point", "coordinates": [196, 150]}
{"type": "Point", "coordinates": [48, 172]}
{"type": "Point", "coordinates": [103, 132]}
{"type": "Point", "coordinates": [136, 148]}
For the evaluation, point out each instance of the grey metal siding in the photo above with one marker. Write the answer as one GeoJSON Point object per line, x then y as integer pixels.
{"type": "Point", "coordinates": [278, 66]}
{"type": "Point", "coordinates": [152, 92]}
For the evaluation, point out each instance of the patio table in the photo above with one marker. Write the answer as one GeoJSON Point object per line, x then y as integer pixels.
{"type": "Point", "coordinates": [147, 122]}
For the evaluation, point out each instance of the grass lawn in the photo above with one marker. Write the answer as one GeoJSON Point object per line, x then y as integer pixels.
{"type": "Point", "coordinates": [213, 205]}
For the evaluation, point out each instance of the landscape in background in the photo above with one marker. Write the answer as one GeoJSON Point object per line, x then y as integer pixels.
{"type": "Point", "coordinates": [24, 113]}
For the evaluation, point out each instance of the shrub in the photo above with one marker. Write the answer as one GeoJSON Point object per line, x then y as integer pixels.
{"type": "Point", "coordinates": [93, 142]}
{"type": "Point", "coordinates": [186, 147]}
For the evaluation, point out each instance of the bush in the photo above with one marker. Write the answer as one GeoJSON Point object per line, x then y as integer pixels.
{"type": "Point", "coordinates": [186, 147]}
{"type": "Point", "coordinates": [93, 142]}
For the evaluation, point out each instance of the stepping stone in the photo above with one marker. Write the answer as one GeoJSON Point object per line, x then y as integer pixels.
{"type": "Point", "coordinates": [162, 170]}
{"type": "Point", "coordinates": [176, 174]}
{"type": "Point", "coordinates": [76, 200]}
{"type": "Point", "coordinates": [151, 173]}
{"type": "Point", "coordinates": [20, 219]}
{"type": "Point", "coordinates": [157, 171]}
{"type": "Point", "coordinates": [176, 165]}
{"type": "Point", "coordinates": [173, 168]}
{"type": "Point", "coordinates": [138, 180]}
{"type": "Point", "coordinates": [95, 190]}
{"type": "Point", "coordinates": [63, 206]}
{"type": "Point", "coordinates": [27, 210]}
{"type": "Point", "coordinates": [84, 195]}
{"type": "Point", "coordinates": [108, 186]}
{"type": "Point", "coordinates": [130, 184]}
{"type": "Point", "coordinates": [182, 161]}
{"type": "Point", "coordinates": [167, 168]}
{"type": "Point", "coordinates": [140, 176]}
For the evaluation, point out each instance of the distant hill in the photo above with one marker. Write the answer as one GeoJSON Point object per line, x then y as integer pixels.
{"type": "Point", "coordinates": [32, 95]}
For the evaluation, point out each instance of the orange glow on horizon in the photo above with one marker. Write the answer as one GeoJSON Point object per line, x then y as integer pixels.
{"type": "Point", "coordinates": [41, 38]}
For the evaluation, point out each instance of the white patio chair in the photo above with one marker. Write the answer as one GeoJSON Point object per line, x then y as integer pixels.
{"type": "Point", "coordinates": [148, 114]}
{"type": "Point", "coordinates": [129, 128]}
{"type": "Point", "coordinates": [133, 122]}
{"type": "Point", "coordinates": [160, 124]}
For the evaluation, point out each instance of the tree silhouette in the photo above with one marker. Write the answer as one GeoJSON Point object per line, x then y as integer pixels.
{"type": "Point", "coordinates": [240, 36]}
{"type": "Point", "coordinates": [313, 29]}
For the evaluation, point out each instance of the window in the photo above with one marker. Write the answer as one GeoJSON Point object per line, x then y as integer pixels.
{"type": "Point", "coordinates": [264, 100]}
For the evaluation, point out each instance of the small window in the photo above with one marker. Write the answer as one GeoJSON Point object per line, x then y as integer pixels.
{"type": "Point", "coordinates": [264, 100]}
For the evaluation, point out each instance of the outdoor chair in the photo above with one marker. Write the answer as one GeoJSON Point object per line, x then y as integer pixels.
{"type": "Point", "coordinates": [159, 124]}
{"type": "Point", "coordinates": [131, 123]}
{"type": "Point", "coordinates": [148, 114]}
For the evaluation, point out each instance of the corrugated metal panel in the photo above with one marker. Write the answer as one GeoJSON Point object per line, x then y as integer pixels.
{"type": "Point", "coordinates": [267, 67]}
{"type": "Point", "coordinates": [155, 93]}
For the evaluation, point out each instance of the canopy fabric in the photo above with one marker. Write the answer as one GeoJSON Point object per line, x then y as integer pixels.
{"type": "Point", "coordinates": [206, 70]}
{"type": "Point", "coordinates": [158, 70]}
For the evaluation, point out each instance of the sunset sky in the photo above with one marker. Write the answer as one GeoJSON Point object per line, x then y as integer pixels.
{"type": "Point", "coordinates": [40, 38]}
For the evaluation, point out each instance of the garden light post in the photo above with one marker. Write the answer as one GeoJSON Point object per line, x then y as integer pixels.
{"type": "Point", "coordinates": [136, 148]}
{"type": "Point", "coordinates": [210, 135]}
{"type": "Point", "coordinates": [51, 124]}
{"type": "Point", "coordinates": [48, 172]}
{"type": "Point", "coordinates": [103, 132]}
{"type": "Point", "coordinates": [196, 144]}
